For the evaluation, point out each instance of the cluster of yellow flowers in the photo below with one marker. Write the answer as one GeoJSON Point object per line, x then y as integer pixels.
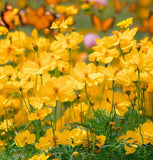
{"type": "Point", "coordinates": [143, 135]}
{"type": "Point", "coordinates": [37, 77]}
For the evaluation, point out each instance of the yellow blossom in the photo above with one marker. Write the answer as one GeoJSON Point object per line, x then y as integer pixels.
{"type": "Point", "coordinates": [39, 114]}
{"type": "Point", "coordinates": [57, 89]}
{"type": "Point", "coordinates": [125, 23]}
{"type": "Point", "coordinates": [71, 40]}
{"type": "Point", "coordinates": [39, 157]}
{"type": "Point", "coordinates": [24, 137]}
{"type": "Point", "coordinates": [3, 30]}
{"type": "Point", "coordinates": [132, 140]}
{"type": "Point", "coordinates": [6, 124]}
{"type": "Point", "coordinates": [83, 73]}
{"type": "Point", "coordinates": [101, 140]}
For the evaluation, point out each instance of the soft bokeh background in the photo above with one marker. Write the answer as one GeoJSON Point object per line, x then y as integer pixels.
{"type": "Point", "coordinates": [83, 21]}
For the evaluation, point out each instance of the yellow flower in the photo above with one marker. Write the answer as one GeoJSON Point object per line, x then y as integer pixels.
{"type": "Point", "coordinates": [6, 124]}
{"type": "Point", "coordinates": [127, 39]}
{"type": "Point", "coordinates": [48, 141]}
{"type": "Point", "coordinates": [39, 114]}
{"type": "Point", "coordinates": [60, 25]}
{"type": "Point", "coordinates": [44, 62]}
{"type": "Point", "coordinates": [3, 30]}
{"type": "Point", "coordinates": [63, 66]}
{"type": "Point", "coordinates": [132, 140]}
{"type": "Point", "coordinates": [24, 137]}
{"type": "Point", "coordinates": [120, 76]}
{"type": "Point", "coordinates": [147, 132]}
{"type": "Point", "coordinates": [76, 136]}
{"type": "Point", "coordinates": [71, 40]}
{"type": "Point", "coordinates": [107, 42]}
{"type": "Point", "coordinates": [104, 55]}
{"type": "Point", "coordinates": [121, 102]}
{"type": "Point", "coordinates": [39, 157]}
{"type": "Point", "coordinates": [36, 102]}
{"type": "Point", "coordinates": [58, 51]}
{"type": "Point", "coordinates": [10, 51]}
{"type": "Point", "coordinates": [101, 140]}
{"type": "Point", "coordinates": [83, 73]}
{"type": "Point", "coordinates": [18, 38]}
{"type": "Point", "coordinates": [69, 20]}
{"type": "Point", "coordinates": [2, 145]}
{"type": "Point", "coordinates": [68, 10]}
{"type": "Point", "coordinates": [125, 23]}
{"type": "Point", "coordinates": [85, 6]}
{"type": "Point", "coordinates": [57, 89]}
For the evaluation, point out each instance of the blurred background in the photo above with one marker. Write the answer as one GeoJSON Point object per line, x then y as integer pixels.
{"type": "Point", "coordinates": [92, 14]}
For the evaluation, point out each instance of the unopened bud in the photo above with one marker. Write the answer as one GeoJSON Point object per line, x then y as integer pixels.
{"type": "Point", "coordinates": [3, 134]}
{"type": "Point", "coordinates": [75, 154]}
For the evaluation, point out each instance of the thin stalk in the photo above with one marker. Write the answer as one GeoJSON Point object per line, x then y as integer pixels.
{"type": "Point", "coordinates": [41, 79]}
{"type": "Point", "coordinates": [70, 53]}
{"type": "Point", "coordinates": [101, 98]}
{"type": "Point", "coordinates": [90, 103]}
{"type": "Point", "coordinates": [55, 114]}
{"type": "Point", "coordinates": [24, 101]}
{"type": "Point", "coordinates": [113, 105]}
{"type": "Point", "coordinates": [54, 127]}
{"type": "Point", "coordinates": [138, 92]}
{"type": "Point", "coordinates": [27, 125]}
{"type": "Point", "coordinates": [61, 112]}
{"type": "Point", "coordinates": [37, 131]}
{"type": "Point", "coordinates": [6, 102]}
{"type": "Point", "coordinates": [52, 124]}
{"type": "Point", "coordinates": [138, 109]}
{"type": "Point", "coordinates": [36, 84]}
{"type": "Point", "coordinates": [93, 144]}
{"type": "Point", "coordinates": [101, 92]}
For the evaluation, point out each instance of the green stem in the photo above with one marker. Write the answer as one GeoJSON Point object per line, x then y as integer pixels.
{"type": "Point", "coordinates": [61, 112]}
{"type": "Point", "coordinates": [54, 127]}
{"type": "Point", "coordinates": [138, 109]}
{"type": "Point", "coordinates": [37, 131]}
{"type": "Point", "coordinates": [24, 101]}
{"type": "Point", "coordinates": [138, 92]}
{"type": "Point", "coordinates": [55, 113]}
{"type": "Point", "coordinates": [6, 102]}
{"type": "Point", "coordinates": [27, 125]}
{"type": "Point", "coordinates": [70, 53]}
{"type": "Point", "coordinates": [112, 114]}
{"type": "Point", "coordinates": [41, 79]}
{"type": "Point", "coordinates": [102, 93]}
{"type": "Point", "coordinates": [93, 144]}
{"type": "Point", "coordinates": [90, 103]}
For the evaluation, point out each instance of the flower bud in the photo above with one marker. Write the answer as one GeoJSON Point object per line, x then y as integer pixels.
{"type": "Point", "coordinates": [75, 154]}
